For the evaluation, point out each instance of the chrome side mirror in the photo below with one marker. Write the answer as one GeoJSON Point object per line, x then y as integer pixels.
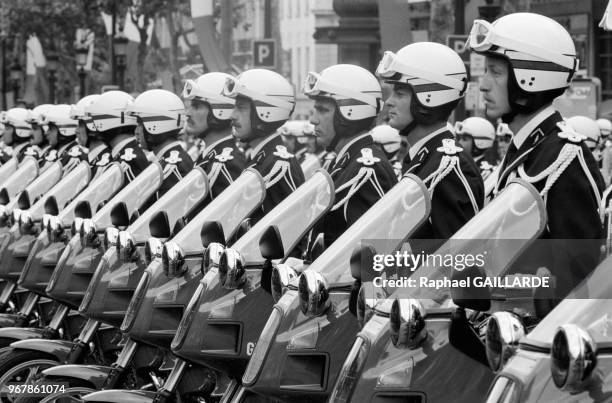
{"type": "Point", "coordinates": [407, 323]}
{"type": "Point", "coordinates": [282, 276]}
{"type": "Point", "coordinates": [173, 259]}
{"type": "Point", "coordinates": [232, 274]}
{"type": "Point", "coordinates": [211, 257]}
{"type": "Point", "coordinates": [314, 293]}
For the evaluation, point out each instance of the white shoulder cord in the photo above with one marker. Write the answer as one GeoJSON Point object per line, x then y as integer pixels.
{"type": "Point", "coordinates": [448, 164]}
{"type": "Point", "coordinates": [278, 172]}
{"type": "Point", "coordinates": [364, 175]}
{"type": "Point", "coordinates": [554, 171]}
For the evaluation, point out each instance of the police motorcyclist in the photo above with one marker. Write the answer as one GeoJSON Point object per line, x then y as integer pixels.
{"type": "Point", "coordinates": [264, 102]}
{"type": "Point", "coordinates": [347, 101]}
{"type": "Point", "coordinates": [208, 117]}
{"type": "Point", "coordinates": [476, 135]}
{"type": "Point", "coordinates": [160, 115]}
{"type": "Point", "coordinates": [530, 60]}
{"type": "Point", "coordinates": [16, 135]}
{"type": "Point", "coordinates": [61, 137]}
{"type": "Point", "coordinates": [87, 135]}
{"type": "Point", "coordinates": [116, 129]}
{"type": "Point", "coordinates": [429, 79]}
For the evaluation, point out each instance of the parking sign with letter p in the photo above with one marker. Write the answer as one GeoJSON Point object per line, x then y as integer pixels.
{"type": "Point", "coordinates": [264, 53]}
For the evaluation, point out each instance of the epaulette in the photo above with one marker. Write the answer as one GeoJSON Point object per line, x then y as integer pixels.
{"type": "Point", "coordinates": [104, 160]}
{"type": "Point", "coordinates": [75, 152]}
{"type": "Point", "coordinates": [31, 151]}
{"type": "Point", "coordinates": [128, 154]}
{"type": "Point", "coordinates": [173, 158]}
{"type": "Point", "coordinates": [218, 167]}
{"type": "Point", "coordinates": [51, 156]}
{"type": "Point", "coordinates": [283, 153]}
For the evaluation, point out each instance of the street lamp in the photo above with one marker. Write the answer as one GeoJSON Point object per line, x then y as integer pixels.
{"type": "Point", "coordinates": [52, 65]}
{"type": "Point", "coordinates": [82, 52]}
{"type": "Point", "coordinates": [16, 77]}
{"type": "Point", "coordinates": [120, 42]}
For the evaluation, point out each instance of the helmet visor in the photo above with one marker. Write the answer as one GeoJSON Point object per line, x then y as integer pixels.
{"type": "Point", "coordinates": [483, 36]}
{"type": "Point", "coordinates": [315, 85]}
{"type": "Point", "coordinates": [391, 66]}
{"type": "Point", "coordinates": [233, 87]}
{"type": "Point", "coordinates": [191, 90]}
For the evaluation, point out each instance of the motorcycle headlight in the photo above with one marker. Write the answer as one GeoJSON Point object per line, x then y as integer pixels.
{"type": "Point", "coordinates": [54, 229]}
{"type": "Point", "coordinates": [313, 292]}
{"type": "Point", "coordinates": [126, 248]}
{"type": "Point", "coordinates": [573, 358]}
{"type": "Point", "coordinates": [153, 249]}
{"type": "Point", "coordinates": [111, 235]}
{"type": "Point", "coordinates": [367, 298]}
{"type": "Point", "coordinates": [504, 330]}
{"type": "Point", "coordinates": [173, 259]}
{"type": "Point", "coordinates": [232, 274]}
{"type": "Point", "coordinates": [407, 323]}
{"type": "Point", "coordinates": [211, 256]}
{"type": "Point", "coordinates": [75, 228]}
{"type": "Point", "coordinates": [25, 221]}
{"type": "Point", "coordinates": [89, 236]}
{"type": "Point", "coordinates": [282, 276]}
{"type": "Point", "coordinates": [350, 372]}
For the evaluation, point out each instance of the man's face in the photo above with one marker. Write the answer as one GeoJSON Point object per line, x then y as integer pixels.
{"type": "Point", "coordinates": [197, 117]}
{"type": "Point", "coordinates": [494, 86]}
{"type": "Point", "coordinates": [241, 118]}
{"type": "Point", "coordinates": [82, 137]}
{"type": "Point", "coordinates": [323, 120]}
{"type": "Point", "coordinates": [52, 135]}
{"type": "Point", "coordinates": [466, 142]}
{"type": "Point", "coordinates": [398, 105]}
{"type": "Point", "coordinates": [37, 134]}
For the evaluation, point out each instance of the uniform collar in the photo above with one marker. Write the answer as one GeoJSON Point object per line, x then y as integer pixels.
{"type": "Point", "coordinates": [216, 143]}
{"type": "Point", "coordinates": [519, 137]}
{"type": "Point", "coordinates": [274, 139]}
{"type": "Point", "coordinates": [169, 146]}
{"type": "Point", "coordinates": [119, 146]}
{"type": "Point", "coordinates": [65, 147]}
{"type": "Point", "coordinates": [416, 148]}
{"type": "Point", "coordinates": [97, 150]}
{"type": "Point", "coordinates": [357, 143]}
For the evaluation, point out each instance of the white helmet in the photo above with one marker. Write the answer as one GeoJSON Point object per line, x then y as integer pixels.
{"type": "Point", "coordinates": [160, 111]}
{"type": "Point", "coordinates": [272, 95]}
{"type": "Point", "coordinates": [59, 115]}
{"type": "Point", "coordinates": [481, 130]}
{"type": "Point", "coordinates": [36, 115]}
{"type": "Point", "coordinates": [77, 111]}
{"type": "Point", "coordinates": [209, 88]}
{"type": "Point", "coordinates": [587, 127]}
{"type": "Point", "coordinates": [605, 126]}
{"type": "Point", "coordinates": [540, 51]}
{"type": "Point", "coordinates": [435, 72]}
{"type": "Point", "coordinates": [356, 91]}
{"type": "Point", "coordinates": [17, 117]}
{"type": "Point", "coordinates": [387, 137]}
{"type": "Point", "coordinates": [108, 111]}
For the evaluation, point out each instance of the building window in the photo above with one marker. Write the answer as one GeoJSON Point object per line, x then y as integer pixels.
{"type": "Point", "coordinates": [605, 65]}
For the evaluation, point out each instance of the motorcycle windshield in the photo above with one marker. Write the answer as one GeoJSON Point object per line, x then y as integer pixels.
{"type": "Point", "coordinates": [133, 195]}
{"type": "Point", "coordinates": [27, 171]}
{"type": "Point", "coordinates": [99, 190]}
{"type": "Point", "coordinates": [499, 234]}
{"type": "Point", "coordinates": [587, 306]}
{"type": "Point", "coordinates": [7, 169]}
{"type": "Point", "coordinates": [43, 182]}
{"type": "Point", "coordinates": [293, 217]}
{"type": "Point", "coordinates": [310, 165]}
{"type": "Point", "coordinates": [177, 202]}
{"type": "Point", "coordinates": [64, 191]}
{"type": "Point", "coordinates": [394, 217]}
{"type": "Point", "coordinates": [230, 208]}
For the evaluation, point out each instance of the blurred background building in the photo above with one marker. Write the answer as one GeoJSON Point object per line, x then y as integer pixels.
{"type": "Point", "coordinates": [168, 42]}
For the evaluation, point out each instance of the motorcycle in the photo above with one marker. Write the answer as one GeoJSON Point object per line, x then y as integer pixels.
{"type": "Point", "coordinates": [303, 343]}
{"type": "Point", "coordinates": [389, 361]}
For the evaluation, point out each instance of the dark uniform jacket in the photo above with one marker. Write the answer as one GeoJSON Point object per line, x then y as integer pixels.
{"type": "Point", "coordinates": [223, 162]}
{"type": "Point", "coordinates": [456, 197]}
{"type": "Point", "coordinates": [176, 164]}
{"type": "Point", "coordinates": [362, 174]}
{"type": "Point", "coordinates": [281, 172]}
{"type": "Point", "coordinates": [131, 157]}
{"type": "Point", "coordinates": [572, 200]}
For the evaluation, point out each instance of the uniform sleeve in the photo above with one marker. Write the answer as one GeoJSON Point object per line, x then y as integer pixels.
{"type": "Point", "coordinates": [279, 184]}
{"type": "Point", "coordinates": [574, 224]}
{"type": "Point", "coordinates": [139, 163]}
{"type": "Point", "coordinates": [451, 206]}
